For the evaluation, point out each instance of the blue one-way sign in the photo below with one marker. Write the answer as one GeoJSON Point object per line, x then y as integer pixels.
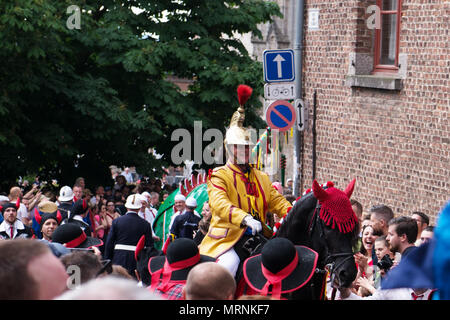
{"type": "Point", "coordinates": [278, 65]}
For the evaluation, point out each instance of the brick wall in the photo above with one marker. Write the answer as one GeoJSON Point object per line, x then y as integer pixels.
{"type": "Point", "coordinates": [395, 143]}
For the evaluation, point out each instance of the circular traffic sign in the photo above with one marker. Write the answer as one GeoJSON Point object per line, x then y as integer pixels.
{"type": "Point", "coordinates": [281, 115]}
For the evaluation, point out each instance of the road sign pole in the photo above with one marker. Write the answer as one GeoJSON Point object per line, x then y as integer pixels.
{"type": "Point", "coordinates": [298, 135]}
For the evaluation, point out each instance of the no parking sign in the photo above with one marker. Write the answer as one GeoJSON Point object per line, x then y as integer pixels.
{"type": "Point", "coordinates": [281, 115]}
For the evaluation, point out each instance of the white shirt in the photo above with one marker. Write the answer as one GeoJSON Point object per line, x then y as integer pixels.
{"type": "Point", "coordinates": [23, 212]}
{"type": "Point", "coordinates": [128, 176]}
{"type": "Point", "coordinates": [148, 215]}
{"type": "Point", "coordinates": [388, 294]}
{"type": "Point", "coordinates": [6, 227]}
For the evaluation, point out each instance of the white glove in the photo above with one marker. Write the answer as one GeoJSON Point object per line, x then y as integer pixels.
{"type": "Point", "coordinates": [253, 224]}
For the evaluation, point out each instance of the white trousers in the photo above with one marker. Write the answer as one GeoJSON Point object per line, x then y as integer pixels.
{"type": "Point", "coordinates": [230, 261]}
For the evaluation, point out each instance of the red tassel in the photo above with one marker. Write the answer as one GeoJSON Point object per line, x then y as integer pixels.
{"type": "Point", "coordinates": [244, 92]}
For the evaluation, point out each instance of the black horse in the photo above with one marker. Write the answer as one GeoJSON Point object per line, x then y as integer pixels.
{"type": "Point", "coordinates": [304, 226]}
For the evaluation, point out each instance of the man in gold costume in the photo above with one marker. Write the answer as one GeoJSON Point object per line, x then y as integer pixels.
{"type": "Point", "coordinates": [240, 196]}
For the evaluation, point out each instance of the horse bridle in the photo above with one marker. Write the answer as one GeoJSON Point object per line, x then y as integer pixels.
{"type": "Point", "coordinates": [330, 260]}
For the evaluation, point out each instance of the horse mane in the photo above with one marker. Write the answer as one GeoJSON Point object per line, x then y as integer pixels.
{"type": "Point", "coordinates": [296, 220]}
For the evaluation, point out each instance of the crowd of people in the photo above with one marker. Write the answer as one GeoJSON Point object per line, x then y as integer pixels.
{"type": "Point", "coordinates": [104, 235]}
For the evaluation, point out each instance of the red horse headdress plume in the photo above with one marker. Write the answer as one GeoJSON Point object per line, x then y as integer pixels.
{"type": "Point", "coordinates": [336, 208]}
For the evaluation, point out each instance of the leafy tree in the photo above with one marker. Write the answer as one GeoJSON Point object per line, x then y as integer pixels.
{"type": "Point", "coordinates": [74, 101]}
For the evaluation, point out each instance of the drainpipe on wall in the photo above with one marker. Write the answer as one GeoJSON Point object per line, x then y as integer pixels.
{"type": "Point", "coordinates": [298, 135]}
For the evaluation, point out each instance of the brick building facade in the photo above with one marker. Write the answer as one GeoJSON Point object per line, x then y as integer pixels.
{"type": "Point", "coordinates": [390, 130]}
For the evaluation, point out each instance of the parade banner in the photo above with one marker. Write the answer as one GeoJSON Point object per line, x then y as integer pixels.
{"type": "Point", "coordinates": [165, 211]}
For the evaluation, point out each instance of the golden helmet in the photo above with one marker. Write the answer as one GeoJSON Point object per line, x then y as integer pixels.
{"type": "Point", "coordinates": [236, 133]}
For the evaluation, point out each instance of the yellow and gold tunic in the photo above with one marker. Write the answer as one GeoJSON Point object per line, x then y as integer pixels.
{"type": "Point", "coordinates": [232, 195]}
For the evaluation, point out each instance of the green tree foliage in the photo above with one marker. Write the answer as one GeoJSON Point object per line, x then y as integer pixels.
{"type": "Point", "coordinates": [72, 102]}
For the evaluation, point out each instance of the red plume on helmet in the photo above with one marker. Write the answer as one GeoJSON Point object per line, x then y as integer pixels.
{"type": "Point", "coordinates": [336, 209]}
{"type": "Point", "coordinates": [244, 92]}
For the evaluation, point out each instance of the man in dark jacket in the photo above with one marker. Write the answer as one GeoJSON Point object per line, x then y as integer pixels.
{"type": "Point", "coordinates": [184, 225]}
{"type": "Point", "coordinates": [11, 227]}
{"type": "Point", "coordinates": [125, 233]}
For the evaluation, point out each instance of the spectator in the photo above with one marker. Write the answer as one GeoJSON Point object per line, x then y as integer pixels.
{"type": "Point", "coordinates": [109, 288]}
{"type": "Point", "coordinates": [289, 186]}
{"type": "Point", "coordinates": [3, 200]}
{"type": "Point", "coordinates": [203, 225]}
{"type": "Point", "coordinates": [125, 233]}
{"type": "Point", "coordinates": [111, 213]}
{"type": "Point", "coordinates": [119, 201]}
{"type": "Point", "coordinates": [100, 224]}
{"type": "Point", "coordinates": [88, 262]}
{"type": "Point", "coordinates": [77, 193]}
{"type": "Point", "coordinates": [178, 207]}
{"type": "Point", "coordinates": [43, 208]}
{"type": "Point", "coordinates": [127, 174]}
{"type": "Point", "coordinates": [108, 192]}
{"type": "Point", "coordinates": [11, 227]}
{"type": "Point", "coordinates": [15, 194]}
{"type": "Point", "coordinates": [383, 252]}
{"type": "Point", "coordinates": [48, 222]}
{"type": "Point", "coordinates": [169, 273]}
{"type": "Point", "coordinates": [79, 211]}
{"type": "Point", "coordinates": [121, 181]}
{"type": "Point", "coordinates": [204, 280]}
{"type": "Point", "coordinates": [99, 195]}
{"type": "Point", "coordinates": [364, 259]}
{"type": "Point", "coordinates": [385, 260]}
{"type": "Point", "coordinates": [147, 213]}
{"type": "Point", "coordinates": [154, 200]}
{"type": "Point", "coordinates": [81, 183]}
{"type": "Point", "coordinates": [357, 208]}
{"type": "Point", "coordinates": [30, 271]}
{"type": "Point", "coordinates": [186, 224]}
{"type": "Point", "coordinates": [380, 215]}
{"type": "Point", "coordinates": [121, 272]}
{"type": "Point", "coordinates": [65, 200]}
{"type": "Point", "coordinates": [402, 234]}
{"type": "Point", "coordinates": [422, 222]}
{"type": "Point", "coordinates": [427, 234]}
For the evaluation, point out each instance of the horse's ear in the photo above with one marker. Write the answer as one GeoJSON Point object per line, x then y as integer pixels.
{"type": "Point", "coordinates": [319, 193]}
{"type": "Point", "coordinates": [349, 190]}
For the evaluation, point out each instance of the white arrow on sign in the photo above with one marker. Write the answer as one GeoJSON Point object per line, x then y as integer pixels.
{"type": "Point", "coordinates": [279, 59]}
